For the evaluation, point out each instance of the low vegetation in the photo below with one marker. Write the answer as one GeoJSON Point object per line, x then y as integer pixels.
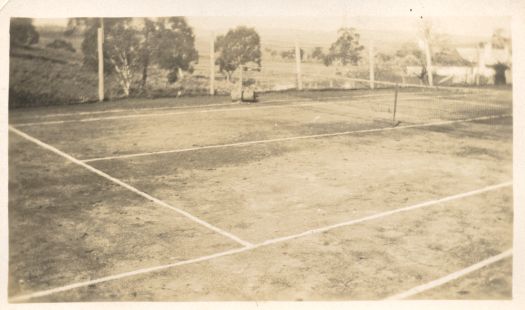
{"type": "Point", "coordinates": [158, 58]}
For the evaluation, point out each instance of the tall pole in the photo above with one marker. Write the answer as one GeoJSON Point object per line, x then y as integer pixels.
{"type": "Point", "coordinates": [212, 64]}
{"type": "Point", "coordinates": [240, 81]}
{"type": "Point", "coordinates": [429, 63]}
{"type": "Point", "coordinates": [371, 63]}
{"type": "Point", "coordinates": [395, 107]}
{"type": "Point", "coordinates": [100, 40]}
{"type": "Point", "coordinates": [298, 65]}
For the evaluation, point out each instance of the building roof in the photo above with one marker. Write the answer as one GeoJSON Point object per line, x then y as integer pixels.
{"type": "Point", "coordinates": [495, 56]}
{"type": "Point", "coordinates": [468, 53]}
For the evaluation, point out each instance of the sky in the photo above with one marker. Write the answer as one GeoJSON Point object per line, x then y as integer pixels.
{"type": "Point", "coordinates": [458, 25]}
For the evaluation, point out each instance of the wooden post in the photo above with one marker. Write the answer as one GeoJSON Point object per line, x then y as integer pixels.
{"type": "Point", "coordinates": [481, 66]}
{"type": "Point", "coordinates": [371, 63]}
{"type": "Point", "coordinates": [100, 42]}
{"type": "Point", "coordinates": [298, 65]}
{"type": "Point", "coordinates": [429, 63]}
{"type": "Point", "coordinates": [395, 107]}
{"type": "Point", "coordinates": [212, 65]}
{"type": "Point", "coordinates": [240, 81]}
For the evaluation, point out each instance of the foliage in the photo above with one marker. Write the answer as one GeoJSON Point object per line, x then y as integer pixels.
{"type": "Point", "coordinates": [22, 32]}
{"type": "Point", "coordinates": [89, 44]}
{"type": "Point", "coordinates": [410, 55]}
{"type": "Point", "coordinates": [238, 47]}
{"type": "Point", "coordinates": [122, 45]}
{"type": "Point", "coordinates": [47, 76]}
{"type": "Point", "coordinates": [61, 44]}
{"type": "Point", "coordinates": [318, 53]}
{"type": "Point", "coordinates": [173, 46]}
{"type": "Point", "coordinates": [145, 50]}
{"type": "Point", "coordinates": [290, 54]}
{"type": "Point", "coordinates": [129, 49]}
{"type": "Point", "coordinates": [499, 39]}
{"type": "Point", "coordinates": [346, 49]}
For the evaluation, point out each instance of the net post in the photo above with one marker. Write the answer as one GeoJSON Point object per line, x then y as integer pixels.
{"type": "Point", "coordinates": [395, 106]}
{"type": "Point", "coordinates": [371, 63]}
{"type": "Point", "coordinates": [298, 65]}
{"type": "Point", "coordinates": [241, 81]}
{"type": "Point", "coordinates": [429, 63]}
{"type": "Point", "coordinates": [212, 64]}
{"type": "Point", "coordinates": [100, 46]}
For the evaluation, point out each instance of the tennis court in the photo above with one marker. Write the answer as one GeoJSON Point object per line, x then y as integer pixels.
{"type": "Point", "coordinates": [313, 195]}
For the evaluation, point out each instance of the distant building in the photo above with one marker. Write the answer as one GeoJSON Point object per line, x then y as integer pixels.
{"type": "Point", "coordinates": [491, 64]}
{"type": "Point", "coordinates": [486, 66]}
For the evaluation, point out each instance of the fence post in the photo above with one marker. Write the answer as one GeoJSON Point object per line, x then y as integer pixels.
{"type": "Point", "coordinates": [371, 63]}
{"type": "Point", "coordinates": [212, 64]}
{"type": "Point", "coordinates": [241, 81]}
{"type": "Point", "coordinates": [100, 46]}
{"type": "Point", "coordinates": [298, 65]}
{"type": "Point", "coordinates": [395, 106]}
{"type": "Point", "coordinates": [429, 63]}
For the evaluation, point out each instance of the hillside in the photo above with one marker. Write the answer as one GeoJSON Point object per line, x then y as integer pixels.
{"type": "Point", "coordinates": [40, 76]}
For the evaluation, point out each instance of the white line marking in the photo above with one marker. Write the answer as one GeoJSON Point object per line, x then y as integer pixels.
{"type": "Point", "coordinates": [401, 85]}
{"type": "Point", "coordinates": [123, 275]}
{"type": "Point", "coordinates": [129, 187]}
{"type": "Point", "coordinates": [247, 108]}
{"type": "Point", "coordinates": [239, 144]}
{"type": "Point", "coordinates": [255, 246]}
{"type": "Point", "coordinates": [450, 277]}
{"type": "Point", "coordinates": [301, 102]}
{"type": "Point", "coordinates": [134, 110]}
{"type": "Point", "coordinates": [388, 213]}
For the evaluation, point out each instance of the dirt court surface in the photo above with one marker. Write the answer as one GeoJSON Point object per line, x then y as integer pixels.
{"type": "Point", "coordinates": [311, 183]}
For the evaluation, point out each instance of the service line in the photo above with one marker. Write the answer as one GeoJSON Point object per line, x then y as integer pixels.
{"type": "Point", "coordinates": [324, 135]}
{"type": "Point", "coordinates": [453, 276]}
{"type": "Point", "coordinates": [129, 187]}
{"type": "Point", "coordinates": [55, 290]}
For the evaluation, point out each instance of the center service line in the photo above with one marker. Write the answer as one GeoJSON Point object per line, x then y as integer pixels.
{"type": "Point", "coordinates": [255, 246]}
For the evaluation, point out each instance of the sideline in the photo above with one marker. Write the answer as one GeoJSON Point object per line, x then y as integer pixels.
{"type": "Point", "coordinates": [129, 187]}
{"type": "Point", "coordinates": [29, 296]}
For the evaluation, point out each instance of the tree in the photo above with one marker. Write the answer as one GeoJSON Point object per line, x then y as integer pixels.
{"type": "Point", "coordinates": [148, 31]}
{"type": "Point", "coordinates": [22, 32]}
{"type": "Point", "coordinates": [318, 53]}
{"type": "Point", "coordinates": [411, 55]}
{"type": "Point", "coordinates": [173, 46]}
{"type": "Point", "coordinates": [499, 39]}
{"type": "Point", "coordinates": [238, 47]}
{"type": "Point", "coordinates": [89, 43]}
{"type": "Point", "coordinates": [346, 49]}
{"type": "Point", "coordinates": [123, 48]}
{"type": "Point", "coordinates": [61, 44]}
{"type": "Point", "coordinates": [130, 48]}
{"type": "Point", "coordinates": [290, 54]}
{"type": "Point", "coordinates": [121, 53]}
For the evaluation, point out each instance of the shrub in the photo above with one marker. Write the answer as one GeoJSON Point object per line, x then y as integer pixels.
{"type": "Point", "coordinates": [61, 45]}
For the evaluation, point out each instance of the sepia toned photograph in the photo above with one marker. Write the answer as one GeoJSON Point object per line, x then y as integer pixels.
{"type": "Point", "coordinates": [190, 158]}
